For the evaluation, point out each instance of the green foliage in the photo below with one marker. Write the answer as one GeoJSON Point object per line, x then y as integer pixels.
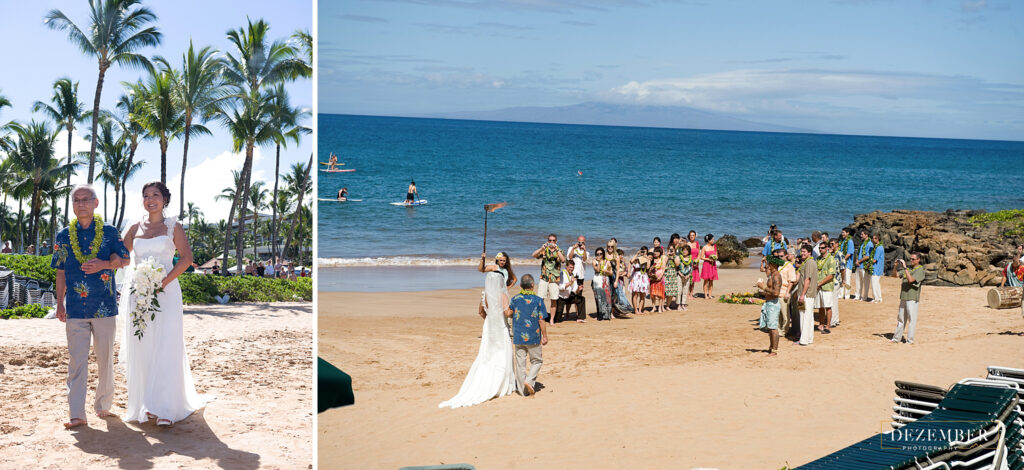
{"type": "Point", "coordinates": [1011, 221]}
{"type": "Point", "coordinates": [24, 311]}
{"type": "Point", "coordinates": [35, 267]}
{"type": "Point", "coordinates": [202, 288]}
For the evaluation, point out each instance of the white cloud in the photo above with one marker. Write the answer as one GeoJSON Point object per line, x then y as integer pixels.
{"type": "Point", "coordinates": [205, 180]}
{"type": "Point", "coordinates": [753, 91]}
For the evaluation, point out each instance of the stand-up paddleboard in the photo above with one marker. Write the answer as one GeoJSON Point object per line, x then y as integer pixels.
{"type": "Point", "coordinates": [338, 171]}
{"type": "Point", "coordinates": [419, 202]}
{"type": "Point", "coordinates": [328, 163]}
{"type": "Point", "coordinates": [328, 199]}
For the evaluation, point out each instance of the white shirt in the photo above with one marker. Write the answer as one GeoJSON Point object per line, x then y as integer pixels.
{"type": "Point", "coordinates": [270, 270]}
{"type": "Point", "coordinates": [576, 253]}
{"type": "Point", "coordinates": [566, 284]}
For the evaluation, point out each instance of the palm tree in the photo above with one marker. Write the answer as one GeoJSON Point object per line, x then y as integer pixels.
{"type": "Point", "coordinates": [4, 102]}
{"type": "Point", "coordinates": [199, 88]}
{"type": "Point", "coordinates": [248, 120]}
{"type": "Point", "coordinates": [253, 64]}
{"type": "Point", "coordinates": [117, 28]}
{"type": "Point", "coordinates": [286, 127]}
{"type": "Point", "coordinates": [257, 196]}
{"type": "Point", "coordinates": [117, 167]}
{"type": "Point", "coordinates": [305, 44]}
{"type": "Point", "coordinates": [37, 167]}
{"type": "Point", "coordinates": [67, 111]}
{"type": "Point", "coordinates": [193, 213]}
{"type": "Point", "coordinates": [163, 118]}
{"type": "Point", "coordinates": [132, 108]}
{"type": "Point", "coordinates": [299, 184]}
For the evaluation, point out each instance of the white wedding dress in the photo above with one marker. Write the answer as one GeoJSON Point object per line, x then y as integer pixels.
{"type": "Point", "coordinates": [156, 366]}
{"type": "Point", "coordinates": [492, 374]}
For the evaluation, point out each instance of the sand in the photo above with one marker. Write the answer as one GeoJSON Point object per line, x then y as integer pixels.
{"type": "Point", "coordinates": [672, 390]}
{"type": "Point", "coordinates": [255, 358]}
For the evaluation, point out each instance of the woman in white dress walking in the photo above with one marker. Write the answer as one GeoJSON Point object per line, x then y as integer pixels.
{"type": "Point", "coordinates": [156, 364]}
{"type": "Point", "coordinates": [492, 374]}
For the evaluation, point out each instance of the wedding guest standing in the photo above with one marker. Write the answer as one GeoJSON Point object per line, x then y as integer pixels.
{"type": "Point", "coordinates": [657, 275]}
{"type": "Point", "coordinates": [602, 285]}
{"type": "Point", "coordinates": [570, 293]}
{"type": "Point", "coordinates": [910, 296]}
{"type": "Point", "coordinates": [551, 258]}
{"type": "Point", "coordinates": [775, 242]}
{"type": "Point", "coordinates": [578, 253]}
{"type": "Point", "coordinates": [691, 241]}
{"type": "Point", "coordinates": [848, 253]}
{"type": "Point", "coordinates": [640, 282]}
{"type": "Point", "coordinates": [621, 303]}
{"type": "Point", "coordinates": [673, 284]}
{"type": "Point", "coordinates": [787, 273]}
{"type": "Point", "coordinates": [840, 270]}
{"type": "Point", "coordinates": [687, 266]}
{"type": "Point", "coordinates": [826, 264]}
{"type": "Point", "coordinates": [877, 269]}
{"type": "Point", "coordinates": [770, 309]}
{"type": "Point", "coordinates": [808, 292]}
{"type": "Point", "coordinates": [863, 266]}
{"type": "Point", "coordinates": [709, 265]}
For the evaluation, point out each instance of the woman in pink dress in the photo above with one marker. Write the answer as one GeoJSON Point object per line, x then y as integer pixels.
{"type": "Point", "coordinates": [709, 264]}
{"type": "Point", "coordinates": [691, 241]}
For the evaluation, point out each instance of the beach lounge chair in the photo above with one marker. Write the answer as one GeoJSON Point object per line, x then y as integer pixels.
{"type": "Point", "coordinates": [334, 387]}
{"type": "Point", "coordinates": [914, 400]}
{"type": "Point", "coordinates": [983, 412]}
{"type": "Point", "coordinates": [48, 300]}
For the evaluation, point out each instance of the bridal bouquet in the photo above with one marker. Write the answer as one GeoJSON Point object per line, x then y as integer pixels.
{"type": "Point", "coordinates": [145, 285]}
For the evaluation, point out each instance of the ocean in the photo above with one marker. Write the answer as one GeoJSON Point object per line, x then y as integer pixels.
{"type": "Point", "coordinates": [624, 182]}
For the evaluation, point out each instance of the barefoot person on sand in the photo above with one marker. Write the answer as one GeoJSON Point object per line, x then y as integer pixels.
{"type": "Point", "coordinates": [827, 269]}
{"type": "Point", "coordinates": [529, 333]}
{"type": "Point", "coordinates": [910, 296]}
{"type": "Point", "coordinates": [770, 310]}
{"type": "Point", "coordinates": [85, 254]}
{"type": "Point", "coordinates": [551, 258]}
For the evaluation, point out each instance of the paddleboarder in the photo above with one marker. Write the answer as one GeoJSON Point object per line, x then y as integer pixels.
{"type": "Point", "coordinates": [411, 195]}
{"type": "Point", "coordinates": [332, 164]}
{"type": "Point", "coordinates": [343, 194]}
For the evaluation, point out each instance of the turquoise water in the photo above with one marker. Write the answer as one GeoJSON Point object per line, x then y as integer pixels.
{"type": "Point", "coordinates": [636, 183]}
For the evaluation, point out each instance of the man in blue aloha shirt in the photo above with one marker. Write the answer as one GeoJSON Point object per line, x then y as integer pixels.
{"type": "Point", "coordinates": [529, 332]}
{"type": "Point", "coordinates": [87, 300]}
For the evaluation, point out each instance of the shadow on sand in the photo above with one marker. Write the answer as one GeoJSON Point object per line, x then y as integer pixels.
{"type": "Point", "coordinates": [191, 437]}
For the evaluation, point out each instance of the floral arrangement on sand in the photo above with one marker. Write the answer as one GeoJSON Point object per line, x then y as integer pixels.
{"type": "Point", "coordinates": [744, 298]}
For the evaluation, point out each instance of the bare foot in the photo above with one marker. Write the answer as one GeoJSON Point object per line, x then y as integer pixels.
{"type": "Point", "coordinates": [74, 423]}
{"type": "Point", "coordinates": [105, 414]}
{"type": "Point", "coordinates": [772, 354]}
{"type": "Point", "coordinates": [581, 321]}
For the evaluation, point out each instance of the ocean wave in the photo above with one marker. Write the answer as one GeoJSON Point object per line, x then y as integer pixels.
{"type": "Point", "coordinates": [410, 261]}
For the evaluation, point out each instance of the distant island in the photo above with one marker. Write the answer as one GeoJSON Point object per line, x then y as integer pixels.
{"type": "Point", "coordinates": [610, 114]}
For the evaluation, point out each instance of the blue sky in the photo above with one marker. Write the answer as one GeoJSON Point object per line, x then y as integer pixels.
{"type": "Point", "coordinates": [36, 56]}
{"type": "Point", "coordinates": [928, 68]}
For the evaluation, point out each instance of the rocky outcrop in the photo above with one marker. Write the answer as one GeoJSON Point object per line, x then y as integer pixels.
{"type": "Point", "coordinates": [730, 251]}
{"type": "Point", "coordinates": [753, 242]}
{"type": "Point", "coordinates": [956, 252]}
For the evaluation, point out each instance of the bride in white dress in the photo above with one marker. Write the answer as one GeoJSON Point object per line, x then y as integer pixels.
{"type": "Point", "coordinates": [492, 374]}
{"type": "Point", "coordinates": [156, 366]}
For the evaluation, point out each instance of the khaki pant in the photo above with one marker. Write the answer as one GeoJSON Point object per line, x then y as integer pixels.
{"type": "Point", "coordinates": [79, 332]}
{"type": "Point", "coordinates": [536, 359]}
{"type": "Point", "coordinates": [783, 316]}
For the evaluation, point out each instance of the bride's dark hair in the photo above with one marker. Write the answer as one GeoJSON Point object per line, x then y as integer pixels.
{"type": "Point", "coordinates": [508, 267]}
{"type": "Point", "coordinates": [166, 193]}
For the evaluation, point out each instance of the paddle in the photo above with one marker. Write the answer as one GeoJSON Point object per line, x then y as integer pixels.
{"type": "Point", "coordinates": [490, 208]}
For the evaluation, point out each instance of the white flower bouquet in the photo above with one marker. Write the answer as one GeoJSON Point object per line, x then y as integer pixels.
{"type": "Point", "coordinates": [145, 285]}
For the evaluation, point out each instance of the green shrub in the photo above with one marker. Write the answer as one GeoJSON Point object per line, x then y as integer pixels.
{"type": "Point", "coordinates": [35, 267]}
{"type": "Point", "coordinates": [202, 288]}
{"type": "Point", "coordinates": [24, 311]}
{"type": "Point", "coordinates": [1010, 221]}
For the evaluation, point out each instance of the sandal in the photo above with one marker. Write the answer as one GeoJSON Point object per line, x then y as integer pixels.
{"type": "Point", "coordinates": [163, 422]}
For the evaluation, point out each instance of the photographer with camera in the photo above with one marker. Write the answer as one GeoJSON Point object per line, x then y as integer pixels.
{"type": "Point", "coordinates": [551, 257]}
{"type": "Point", "coordinates": [578, 253]}
{"type": "Point", "coordinates": [910, 296]}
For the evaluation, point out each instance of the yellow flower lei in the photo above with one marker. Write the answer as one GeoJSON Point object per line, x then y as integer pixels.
{"type": "Point", "coordinates": [94, 247]}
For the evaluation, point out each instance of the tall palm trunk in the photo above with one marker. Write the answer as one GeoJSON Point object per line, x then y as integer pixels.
{"type": "Point", "coordinates": [163, 160]}
{"type": "Point", "coordinates": [21, 226]}
{"type": "Point", "coordinates": [184, 164]}
{"type": "Point", "coordinates": [105, 184]}
{"type": "Point", "coordinates": [104, 63]}
{"type": "Point", "coordinates": [67, 199]}
{"type": "Point", "coordinates": [273, 205]}
{"type": "Point", "coordinates": [124, 184]}
{"type": "Point", "coordinates": [53, 220]}
{"type": "Point", "coordinates": [231, 214]}
{"type": "Point", "coordinates": [298, 209]}
{"type": "Point", "coordinates": [243, 199]}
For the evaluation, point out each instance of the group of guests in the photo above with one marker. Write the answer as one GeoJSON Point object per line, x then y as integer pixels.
{"type": "Point", "coordinates": [818, 272]}
{"type": "Point", "coordinates": [44, 249]}
{"type": "Point", "coordinates": [665, 274]}
{"type": "Point", "coordinates": [269, 269]}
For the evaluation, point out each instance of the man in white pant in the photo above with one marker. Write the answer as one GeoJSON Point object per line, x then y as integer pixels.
{"type": "Point", "coordinates": [848, 254]}
{"type": "Point", "coordinates": [863, 278]}
{"type": "Point", "coordinates": [910, 296]}
{"type": "Point", "coordinates": [809, 291]}
{"type": "Point", "coordinates": [878, 255]}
